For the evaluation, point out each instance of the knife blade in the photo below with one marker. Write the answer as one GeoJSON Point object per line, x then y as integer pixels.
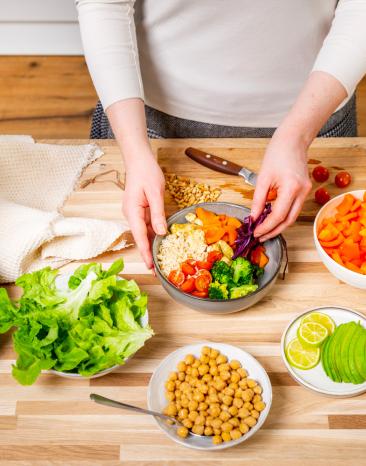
{"type": "Point", "coordinates": [219, 164]}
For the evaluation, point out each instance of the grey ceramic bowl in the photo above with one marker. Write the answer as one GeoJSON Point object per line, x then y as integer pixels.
{"type": "Point", "coordinates": [274, 251]}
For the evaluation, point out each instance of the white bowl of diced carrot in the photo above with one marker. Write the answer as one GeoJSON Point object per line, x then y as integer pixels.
{"type": "Point", "coordinates": [340, 237]}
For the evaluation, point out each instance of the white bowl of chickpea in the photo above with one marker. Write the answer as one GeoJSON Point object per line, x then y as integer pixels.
{"type": "Point", "coordinates": [216, 391]}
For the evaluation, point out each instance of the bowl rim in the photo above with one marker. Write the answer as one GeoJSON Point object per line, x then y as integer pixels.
{"type": "Point", "coordinates": [338, 267]}
{"type": "Point", "coordinates": [231, 443]}
{"type": "Point", "coordinates": [299, 380]}
{"type": "Point", "coordinates": [278, 238]}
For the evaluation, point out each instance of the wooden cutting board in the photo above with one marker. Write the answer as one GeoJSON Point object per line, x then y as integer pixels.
{"type": "Point", "coordinates": [53, 422]}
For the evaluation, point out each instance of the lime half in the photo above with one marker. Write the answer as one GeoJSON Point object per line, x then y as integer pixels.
{"type": "Point", "coordinates": [320, 318]}
{"type": "Point", "coordinates": [312, 334]}
{"type": "Point", "coordinates": [300, 357]}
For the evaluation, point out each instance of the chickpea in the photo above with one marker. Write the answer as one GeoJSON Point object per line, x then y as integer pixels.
{"type": "Point", "coordinates": [187, 423]}
{"type": "Point", "coordinates": [256, 398]}
{"type": "Point", "coordinates": [196, 429]}
{"type": "Point", "coordinates": [212, 390]}
{"type": "Point", "coordinates": [243, 413]}
{"type": "Point", "coordinates": [242, 372]}
{"type": "Point", "coordinates": [234, 364]}
{"type": "Point", "coordinates": [204, 359]}
{"type": "Point", "coordinates": [208, 430]}
{"type": "Point", "coordinates": [227, 400]}
{"type": "Point", "coordinates": [203, 388]}
{"type": "Point", "coordinates": [248, 405]}
{"type": "Point", "coordinates": [203, 369]}
{"type": "Point", "coordinates": [170, 386]}
{"type": "Point", "coordinates": [224, 416]}
{"type": "Point", "coordinates": [219, 385]}
{"type": "Point", "coordinates": [194, 372]}
{"type": "Point", "coordinates": [250, 421]}
{"type": "Point", "coordinates": [192, 415]}
{"type": "Point", "coordinates": [257, 389]}
{"type": "Point", "coordinates": [183, 413]}
{"type": "Point", "coordinates": [234, 421]}
{"type": "Point", "coordinates": [213, 398]}
{"type": "Point", "coordinates": [192, 405]}
{"type": "Point", "coordinates": [216, 423]}
{"type": "Point", "coordinates": [212, 362]}
{"type": "Point", "coordinates": [184, 401]}
{"type": "Point", "coordinates": [171, 410]}
{"type": "Point", "coordinates": [259, 406]}
{"type": "Point", "coordinates": [238, 393]}
{"type": "Point", "coordinates": [184, 386]}
{"type": "Point", "coordinates": [196, 363]}
{"type": "Point", "coordinates": [226, 427]}
{"type": "Point", "coordinates": [216, 439]}
{"type": "Point", "coordinates": [178, 404]}
{"type": "Point", "coordinates": [177, 383]}
{"type": "Point", "coordinates": [223, 367]}
{"type": "Point", "coordinates": [206, 350]}
{"type": "Point", "coordinates": [214, 353]}
{"type": "Point", "coordinates": [220, 396]}
{"type": "Point", "coordinates": [235, 377]}
{"type": "Point", "coordinates": [200, 421]}
{"type": "Point", "coordinates": [248, 394]}
{"type": "Point", "coordinates": [189, 370]}
{"type": "Point", "coordinates": [173, 376]}
{"type": "Point", "coordinates": [229, 391]}
{"type": "Point", "coordinates": [235, 434]}
{"type": "Point", "coordinates": [233, 410]}
{"type": "Point", "coordinates": [181, 376]}
{"type": "Point", "coordinates": [217, 432]}
{"type": "Point", "coordinates": [202, 406]}
{"type": "Point", "coordinates": [254, 414]}
{"type": "Point", "coordinates": [170, 396]}
{"type": "Point", "coordinates": [189, 359]}
{"type": "Point", "coordinates": [244, 428]}
{"type": "Point", "coordinates": [182, 432]}
{"type": "Point", "coordinates": [182, 366]}
{"type": "Point", "coordinates": [251, 383]}
{"type": "Point", "coordinates": [208, 421]}
{"type": "Point", "coordinates": [243, 384]}
{"type": "Point", "coordinates": [207, 378]}
{"type": "Point", "coordinates": [214, 370]}
{"type": "Point", "coordinates": [226, 437]}
{"type": "Point", "coordinates": [234, 386]}
{"type": "Point", "coordinates": [215, 411]}
{"type": "Point", "coordinates": [198, 396]}
{"type": "Point", "coordinates": [237, 402]}
{"type": "Point", "coordinates": [225, 375]}
{"type": "Point", "coordinates": [221, 359]}
{"type": "Point", "coordinates": [204, 413]}
{"type": "Point", "coordinates": [224, 408]}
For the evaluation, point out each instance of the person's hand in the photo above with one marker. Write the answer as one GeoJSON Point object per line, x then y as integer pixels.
{"type": "Point", "coordinates": [143, 202]}
{"type": "Point", "coordinates": [284, 168]}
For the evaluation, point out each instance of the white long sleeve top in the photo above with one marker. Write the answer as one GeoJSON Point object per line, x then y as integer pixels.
{"type": "Point", "coordinates": [230, 62]}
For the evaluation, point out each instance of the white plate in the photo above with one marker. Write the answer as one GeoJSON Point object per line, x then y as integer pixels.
{"type": "Point", "coordinates": [156, 400]}
{"type": "Point", "coordinates": [316, 379]}
{"type": "Point", "coordinates": [62, 283]}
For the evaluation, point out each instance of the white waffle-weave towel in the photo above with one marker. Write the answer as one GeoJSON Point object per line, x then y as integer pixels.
{"type": "Point", "coordinates": [35, 181]}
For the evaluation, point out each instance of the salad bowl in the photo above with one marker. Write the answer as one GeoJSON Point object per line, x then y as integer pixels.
{"type": "Point", "coordinates": [274, 251]}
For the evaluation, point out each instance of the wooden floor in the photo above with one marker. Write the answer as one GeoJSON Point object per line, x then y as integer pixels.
{"type": "Point", "coordinates": [53, 97]}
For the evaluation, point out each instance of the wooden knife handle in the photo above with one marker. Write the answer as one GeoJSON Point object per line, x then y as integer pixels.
{"type": "Point", "coordinates": [213, 161]}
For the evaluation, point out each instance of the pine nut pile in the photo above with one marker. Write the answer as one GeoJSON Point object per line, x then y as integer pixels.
{"type": "Point", "coordinates": [186, 192]}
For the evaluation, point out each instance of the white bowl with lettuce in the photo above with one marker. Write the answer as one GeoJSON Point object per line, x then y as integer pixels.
{"type": "Point", "coordinates": [82, 325]}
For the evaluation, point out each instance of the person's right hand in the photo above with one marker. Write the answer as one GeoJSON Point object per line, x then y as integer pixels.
{"type": "Point", "coordinates": [143, 202]}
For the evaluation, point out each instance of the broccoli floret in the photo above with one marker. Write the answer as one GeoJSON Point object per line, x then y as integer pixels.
{"type": "Point", "coordinates": [257, 271]}
{"type": "Point", "coordinates": [242, 271]}
{"type": "Point", "coordinates": [221, 272]}
{"type": "Point", "coordinates": [218, 290]}
{"type": "Point", "coordinates": [240, 291]}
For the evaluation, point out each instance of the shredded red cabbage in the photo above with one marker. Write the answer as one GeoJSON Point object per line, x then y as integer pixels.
{"type": "Point", "coordinates": [245, 241]}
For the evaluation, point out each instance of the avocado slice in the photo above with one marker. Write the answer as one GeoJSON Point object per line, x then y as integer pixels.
{"type": "Point", "coordinates": [337, 352]}
{"type": "Point", "coordinates": [324, 358]}
{"type": "Point", "coordinates": [332, 349]}
{"type": "Point", "coordinates": [356, 377]}
{"type": "Point", "coordinates": [360, 352]}
{"type": "Point", "coordinates": [351, 326]}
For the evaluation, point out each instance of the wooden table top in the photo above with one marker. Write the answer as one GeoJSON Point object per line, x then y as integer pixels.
{"type": "Point", "coordinates": [54, 423]}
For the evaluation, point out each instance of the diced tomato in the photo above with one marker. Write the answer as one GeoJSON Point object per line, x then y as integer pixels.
{"type": "Point", "coordinates": [203, 280]}
{"type": "Point", "coordinates": [204, 265]}
{"type": "Point", "coordinates": [188, 269]}
{"type": "Point", "coordinates": [176, 277]}
{"type": "Point", "coordinates": [188, 286]}
{"type": "Point", "coordinates": [214, 256]}
{"type": "Point", "coordinates": [200, 294]}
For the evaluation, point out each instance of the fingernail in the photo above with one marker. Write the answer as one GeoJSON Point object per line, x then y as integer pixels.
{"type": "Point", "coordinates": [263, 239]}
{"type": "Point", "coordinates": [161, 229]}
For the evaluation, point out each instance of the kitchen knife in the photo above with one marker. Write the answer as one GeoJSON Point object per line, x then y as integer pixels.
{"type": "Point", "coordinates": [221, 165]}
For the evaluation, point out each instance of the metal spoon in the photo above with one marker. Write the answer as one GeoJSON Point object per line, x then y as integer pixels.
{"type": "Point", "coordinates": [118, 404]}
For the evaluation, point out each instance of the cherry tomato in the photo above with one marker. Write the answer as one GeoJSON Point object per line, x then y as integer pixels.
{"type": "Point", "coordinates": [342, 179]}
{"type": "Point", "coordinates": [200, 294]}
{"type": "Point", "coordinates": [322, 196]}
{"type": "Point", "coordinates": [203, 280]}
{"type": "Point", "coordinates": [320, 174]}
{"type": "Point", "coordinates": [188, 286]}
{"type": "Point", "coordinates": [176, 277]}
{"type": "Point", "coordinates": [207, 265]}
{"type": "Point", "coordinates": [188, 269]}
{"type": "Point", "coordinates": [214, 256]}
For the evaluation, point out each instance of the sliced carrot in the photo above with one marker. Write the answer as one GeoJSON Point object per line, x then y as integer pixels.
{"type": "Point", "coordinates": [346, 218]}
{"type": "Point", "coordinates": [356, 205]}
{"type": "Point", "coordinates": [332, 244]}
{"type": "Point", "coordinates": [232, 235]}
{"type": "Point", "coordinates": [233, 222]}
{"type": "Point", "coordinates": [206, 216]}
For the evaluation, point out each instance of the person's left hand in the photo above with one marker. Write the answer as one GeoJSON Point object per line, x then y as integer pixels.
{"type": "Point", "coordinates": [284, 168]}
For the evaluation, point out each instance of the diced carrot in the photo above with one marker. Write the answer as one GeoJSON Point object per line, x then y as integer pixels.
{"type": "Point", "coordinates": [352, 267]}
{"type": "Point", "coordinates": [356, 205]}
{"type": "Point", "coordinates": [345, 218]}
{"type": "Point", "coordinates": [233, 222]}
{"type": "Point", "coordinates": [345, 206]}
{"type": "Point", "coordinates": [329, 251]}
{"type": "Point", "coordinates": [214, 234]}
{"type": "Point", "coordinates": [329, 233]}
{"type": "Point", "coordinates": [332, 244]}
{"type": "Point", "coordinates": [340, 226]}
{"type": "Point", "coordinates": [357, 262]}
{"type": "Point", "coordinates": [350, 250]}
{"type": "Point", "coordinates": [337, 258]}
{"type": "Point", "coordinates": [206, 216]}
{"type": "Point", "coordinates": [232, 235]}
{"type": "Point", "coordinates": [355, 231]}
